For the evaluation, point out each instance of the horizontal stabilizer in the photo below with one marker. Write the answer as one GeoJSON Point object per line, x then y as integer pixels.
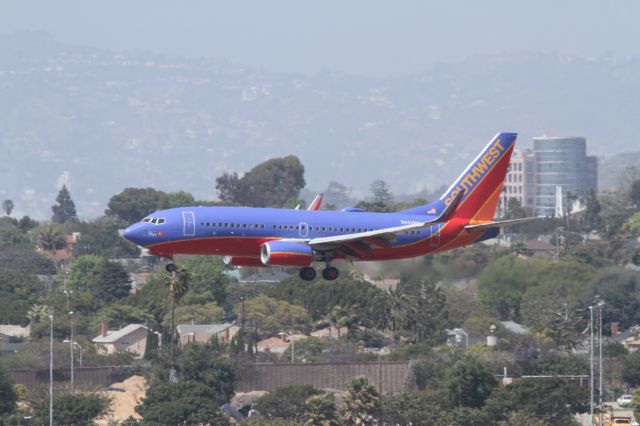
{"type": "Point", "coordinates": [500, 223]}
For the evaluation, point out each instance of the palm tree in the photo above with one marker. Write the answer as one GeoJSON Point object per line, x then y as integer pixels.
{"type": "Point", "coordinates": [362, 403]}
{"type": "Point", "coordinates": [50, 237]}
{"type": "Point", "coordinates": [178, 283]}
{"type": "Point", "coordinates": [37, 312]}
{"type": "Point", "coordinates": [402, 308]}
{"type": "Point", "coordinates": [341, 317]}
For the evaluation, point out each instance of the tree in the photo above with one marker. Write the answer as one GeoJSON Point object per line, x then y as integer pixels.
{"type": "Point", "coordinates": [269, 184]}
{"type": "Point", "coordinates": [631, 369]}
{"type": "Point", "coordinates": [8, 397]}
{"type": "Point", "coordinates": [321, 410]}
{"type": "Point", "coordinates": [272, 315]}
{"type": "Point", "coordinates": [176, 199]}
{"type": "Point", "coordinates": [592, 214]}
{"type": "Point", "coordinates": [427, 315]}
{"type": "Point", "coordinates": [71, 408]}
{"type": "Point", "coordinates": [50, 237]}
{"type": "Point", "coordinates": [634, 193]}
{"type": "Point", "coordinates": [101, 238]}
{"type": "Point", "coordinates": [204, 364]}
{"type": "Point", "coordinates": [521, 419]}
{"type": "Point", "coordinates": [423, 408]}
{"type": "Point", "coordinates": [362, 403]}
{"type": "Point", "coordinates": [65, 209]}
{"type": "Point", "coordinates": [7, 206]}
{"type": "Point", "coordinates": [107, 281]}
{"type": "Point", "coordinates": [550, 400]}
{"type": "Point", "coordinates": [133, 204]}
{"type": "Point", "coordinates": [209, 313]}
{"type": "Point", "coordinates": [185, 403]}
{"type": "Point", "coordinates": [620, 289]}
{"type": "Point", "coordinates": [382, 200]}
{"type": "Point", "coordinates": [469, 382]}
{"type": "Point", "coordinates": [287, 402]}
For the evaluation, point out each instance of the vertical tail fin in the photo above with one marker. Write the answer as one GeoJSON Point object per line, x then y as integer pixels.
{"type": "Point", "coordinates": [481, 183]}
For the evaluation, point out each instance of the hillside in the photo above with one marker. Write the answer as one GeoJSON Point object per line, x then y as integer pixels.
{"type": "Point", "coordinates": [103, 120]}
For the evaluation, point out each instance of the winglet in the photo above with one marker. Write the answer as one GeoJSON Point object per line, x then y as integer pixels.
{"type": "Point", "coordinates": [450, 209]}
{"type": "Point", "coordinates": [316, 203]}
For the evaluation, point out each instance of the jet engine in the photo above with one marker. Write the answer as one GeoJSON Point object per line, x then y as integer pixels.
{"type": "Point", "coordinates": [242, 261]}
{"type": "Point", "coordinates": [286, 253]}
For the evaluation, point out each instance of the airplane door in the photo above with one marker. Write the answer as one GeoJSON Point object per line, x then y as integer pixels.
{"type": "Point", "coordinates": [435, 235]}
{"type": "Point", "coordinates": [189, 224]}
{"type": "Point", "coordinates": [304, 229]}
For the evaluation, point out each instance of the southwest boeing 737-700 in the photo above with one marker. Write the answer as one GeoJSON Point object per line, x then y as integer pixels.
{"type": "Point", "coordinates": [246, 236]}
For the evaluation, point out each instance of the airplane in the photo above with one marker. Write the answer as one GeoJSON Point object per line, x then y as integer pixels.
{"type": "Point", "coordinates": [247, 236]}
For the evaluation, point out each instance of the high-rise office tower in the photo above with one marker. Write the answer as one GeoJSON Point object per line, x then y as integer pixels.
{"type": "Point", "coordinates": [562, 162]}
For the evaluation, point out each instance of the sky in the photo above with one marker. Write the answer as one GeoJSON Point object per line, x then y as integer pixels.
{"type": "Point", "coordinates": [366, 37]}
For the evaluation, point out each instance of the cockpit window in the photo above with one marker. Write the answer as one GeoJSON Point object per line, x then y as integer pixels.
{"type": "Point", "coordinates": [154, 220]}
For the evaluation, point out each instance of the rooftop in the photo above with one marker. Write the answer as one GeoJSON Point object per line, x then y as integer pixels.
{"type": "Point", "coordinates": [114, 336]}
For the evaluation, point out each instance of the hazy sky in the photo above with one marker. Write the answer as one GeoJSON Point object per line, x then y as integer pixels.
{"type": "Point", "coordinates": [364, 36]}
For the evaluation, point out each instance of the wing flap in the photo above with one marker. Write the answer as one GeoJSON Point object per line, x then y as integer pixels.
{"type": "Point", "coordinates": [498, 224]}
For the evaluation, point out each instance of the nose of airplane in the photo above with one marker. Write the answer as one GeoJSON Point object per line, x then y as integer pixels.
{"type": "Point", "coordinates": [134, 233]}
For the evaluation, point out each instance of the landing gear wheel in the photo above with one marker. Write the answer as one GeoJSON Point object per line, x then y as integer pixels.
{"type": "Point", "coordinates": [330, 273]}
{"type": "Point", "coordinates": [307, 274]}
{"type": "Point", "coordinates": [170, 267]}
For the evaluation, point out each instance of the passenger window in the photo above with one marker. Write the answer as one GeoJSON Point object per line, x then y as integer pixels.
{"type": "Point", "coordinates": [297, 227]}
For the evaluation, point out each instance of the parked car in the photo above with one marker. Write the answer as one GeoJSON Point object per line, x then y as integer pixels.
{"type": "Point", "coordinates": [624, 400]}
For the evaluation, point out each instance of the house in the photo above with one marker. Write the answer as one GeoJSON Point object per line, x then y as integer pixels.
{"type": "Point", "coordinates": [330, 332]}
{"type": "Point", "coordinates": [203, 333]}
{"type": "Point", "coordinates": [63, 255]}
{"type": "Point", "coordinates": [279, 344]}
{"type": "Point", "coordinates": [132, 338]}
{"type": "Point", "coordinates": [16, 331]}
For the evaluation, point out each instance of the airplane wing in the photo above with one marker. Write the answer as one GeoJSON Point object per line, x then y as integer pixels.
{"type": "Point", "coordinates": [385, 233]}
{"type": "Point", "coordinates": [497, 224]}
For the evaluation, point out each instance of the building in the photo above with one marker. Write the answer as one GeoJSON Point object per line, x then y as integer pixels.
{"type": "Point", "coordinates": [520, 182]}
{"type": "Point", "coordinates": [132, 338]}
{"type": "Point", "coordinates": [203, 333]}
{"type": "Point", "coordinates": [562, 162]}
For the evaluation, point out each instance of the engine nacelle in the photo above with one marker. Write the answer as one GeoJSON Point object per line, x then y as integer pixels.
{"type": "Point", "coordinates": [286, 253]}
{"type": "Point", "coordinates": [242, 261]}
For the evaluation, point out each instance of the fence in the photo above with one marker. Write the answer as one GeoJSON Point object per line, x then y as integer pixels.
{"type": "Point", "coordinates": [388, 376]}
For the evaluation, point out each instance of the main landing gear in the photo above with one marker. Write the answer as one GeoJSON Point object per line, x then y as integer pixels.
{"type": "Point", "coordinates": [329, 273]}
{"type": "Point", "coordinates": [170, 267]}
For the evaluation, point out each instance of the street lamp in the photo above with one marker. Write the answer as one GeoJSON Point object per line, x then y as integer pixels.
{"type": "Point", "coordinates": [157, 333]}
{"type": "Point", "coordinates": [460, 331]}
{"type": "Point", "coordinates": [283, 334]}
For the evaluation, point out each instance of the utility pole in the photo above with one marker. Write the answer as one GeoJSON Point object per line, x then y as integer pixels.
{"type": "Point", "coordinates": [68, 293]}
{"type": "Point", "coordinates": [243, 314]}
{"type": "Point", "coordinates": [591, 380]}
{"type": "Point", "coordinates": [71, 343]}
{"type": "Point", "coordinates": [601, 399]}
